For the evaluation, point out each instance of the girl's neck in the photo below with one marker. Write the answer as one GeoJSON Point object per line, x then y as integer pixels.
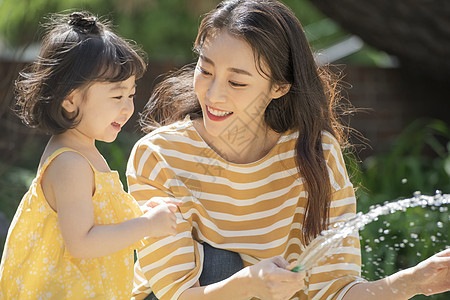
{"type": "Point", "coordinates": [74, 139]}
{"type": "Point", "coordinates": [242, 145]}
{"type": "Point", "coordinates": [89, 150]}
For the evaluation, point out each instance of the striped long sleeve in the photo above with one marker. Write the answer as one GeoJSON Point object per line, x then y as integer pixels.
{"type": "Point", "coordinates": [255, 209]}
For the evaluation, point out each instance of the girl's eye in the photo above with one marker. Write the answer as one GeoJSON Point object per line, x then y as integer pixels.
{"type": "Point", "coordinates": [133, 96]}
{"type": "Point", "coordinates": [118, 97]}
{"type": "Point", "coordinates": [235, 84]}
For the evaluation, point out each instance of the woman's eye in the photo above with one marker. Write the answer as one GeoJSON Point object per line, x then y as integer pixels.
{"type": "Point", "coordinates": [203, 71]}
{"type": "Point", "coordinates": [235, 84]}
{"type": "Point", "coordinates": [118, 97]}
{"type": "Point", "coordinates": [133, 96]}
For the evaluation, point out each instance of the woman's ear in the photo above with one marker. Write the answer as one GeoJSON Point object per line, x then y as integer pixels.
{"type": "Point", "coordinates": [280, 90]}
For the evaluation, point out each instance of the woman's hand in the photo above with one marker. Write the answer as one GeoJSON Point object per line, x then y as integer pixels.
{"type": "Point", "coordinates": [432, 275]}
{"type": "Point", "coordinates": [272, 279]}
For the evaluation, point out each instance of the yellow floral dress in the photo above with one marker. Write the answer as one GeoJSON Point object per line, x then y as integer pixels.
{"type": "Point", "coordinates": [35, 262]}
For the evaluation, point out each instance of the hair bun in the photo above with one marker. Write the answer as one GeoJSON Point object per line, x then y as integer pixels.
{"type": "Point", "coordinates": [83, 23]}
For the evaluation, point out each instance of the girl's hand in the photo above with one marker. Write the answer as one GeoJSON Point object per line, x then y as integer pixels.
{"type": "Point", "coordinates": [272, 279]}
{"type": "Point", "coordinates": [155, 201]}
{"type": "Point", "coordinates": [161, 218]}
{"type": "Point", "coordinates": [432, 275]}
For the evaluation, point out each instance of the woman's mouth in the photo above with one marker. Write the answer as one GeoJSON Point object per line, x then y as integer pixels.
{"type": "Point", "coordinates": [217, 114]}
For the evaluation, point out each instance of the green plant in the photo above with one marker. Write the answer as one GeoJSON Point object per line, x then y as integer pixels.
{"type": "Point", "coordinates": [166, 29]}
{"type": "Point", "coordinates": [419, 160]}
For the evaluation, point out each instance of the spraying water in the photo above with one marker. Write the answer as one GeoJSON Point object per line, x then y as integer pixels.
{"type": "Point", "coordinates": [328, 240]}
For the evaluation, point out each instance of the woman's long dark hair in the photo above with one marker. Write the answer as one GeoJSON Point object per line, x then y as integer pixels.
{"type": "Point", "coordinates": [277, 39]}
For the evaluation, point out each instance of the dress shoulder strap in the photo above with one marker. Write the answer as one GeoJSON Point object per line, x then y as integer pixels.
{"type": "Point", "coordinates": [58, 152]}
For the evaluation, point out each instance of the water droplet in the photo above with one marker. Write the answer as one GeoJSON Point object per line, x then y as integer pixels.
{"type": "Point", "coordinates": [333, 238]}
{"type": "Point", "coordinates": [404, 180]}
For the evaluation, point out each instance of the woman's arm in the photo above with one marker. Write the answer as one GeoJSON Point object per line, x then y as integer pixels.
{"type": "Point", "coordinates": [70, 182]}
{"type": "Point", "coordinates": [432, 276]}
{"type": "Point", "coordinates": [269, 279]}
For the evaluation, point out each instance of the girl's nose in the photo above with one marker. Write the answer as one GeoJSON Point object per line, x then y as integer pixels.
{"type": "Point", "coordinates": [128, 107]}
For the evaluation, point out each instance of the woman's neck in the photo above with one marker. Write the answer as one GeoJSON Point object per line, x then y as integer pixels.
{"type": "Point", "coordinates": [240, 145]}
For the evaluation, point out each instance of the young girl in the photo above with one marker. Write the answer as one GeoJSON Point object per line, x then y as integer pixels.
{"type": "Point", "coordinates": [252, 147]}
{"type": "Point", "coordinates": [75, 231]}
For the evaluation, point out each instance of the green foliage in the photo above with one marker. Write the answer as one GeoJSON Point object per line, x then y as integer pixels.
{"type": "Point", "coordinates": [13, 184]}
{"type": "Point", "coordinates": [166, 29]}
{"type": "Point", "coordinates": [19, 19]}
{"type": "Point", "coordinates": [418, 161]}
{"type": "Point", "coordinates": [15, 179]}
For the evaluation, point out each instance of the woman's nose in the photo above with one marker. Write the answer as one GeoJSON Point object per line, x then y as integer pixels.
{"type": "Point", "coordinates": [216, 92]}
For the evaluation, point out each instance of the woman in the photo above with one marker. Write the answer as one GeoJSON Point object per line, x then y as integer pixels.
{"type": "Point", "coordinates": [251, 147]}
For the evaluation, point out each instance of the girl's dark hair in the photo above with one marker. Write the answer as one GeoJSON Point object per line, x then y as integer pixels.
{"type": "Point", "coordinates": [77, 50]}
{"type": "Point", "coordinates": [277, 39]}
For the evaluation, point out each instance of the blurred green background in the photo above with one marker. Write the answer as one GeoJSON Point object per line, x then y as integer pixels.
{"type": "Point", "coordinates": [417, 159]}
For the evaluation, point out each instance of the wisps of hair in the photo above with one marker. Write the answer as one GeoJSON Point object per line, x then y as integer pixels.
{"type": "Point", "coordinates": [172, 100]}
{"type": "Point", "coordinates": [76, 51]}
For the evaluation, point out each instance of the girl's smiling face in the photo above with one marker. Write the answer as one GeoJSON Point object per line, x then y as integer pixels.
{"type": "Point", "coordinates": [232, 92]}
{"type": "Point", "coordinates": [103, 109]}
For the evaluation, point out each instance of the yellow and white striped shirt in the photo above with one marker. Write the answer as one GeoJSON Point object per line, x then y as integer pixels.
{"type": "Point", "coordinates": [255, 209]}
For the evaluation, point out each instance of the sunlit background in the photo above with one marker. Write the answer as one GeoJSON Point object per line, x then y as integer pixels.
{"type": "Point", "coordinates": [394, 60]}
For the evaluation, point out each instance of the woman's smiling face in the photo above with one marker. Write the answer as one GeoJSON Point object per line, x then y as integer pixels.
{"type": "Point", "coordinates": [232, 92]}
